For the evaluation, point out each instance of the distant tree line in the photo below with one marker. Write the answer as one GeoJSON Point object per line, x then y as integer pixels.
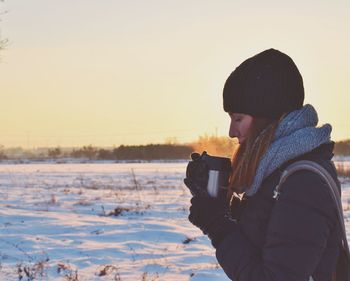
{"type": "Point", "coordinates": [342, 148]}
{"type": "Point", "coordinates": [152, 151]}
{"type": "Point", "coordinates": [132, 152]}
{"type": "Point", "coordinates": [214, 145]}
{"type": "Point", "coordinates": [2, 153]}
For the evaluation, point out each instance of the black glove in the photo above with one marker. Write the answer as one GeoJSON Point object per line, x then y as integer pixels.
{"type": "Point", "coordinates": [212, 216]}
{"type": "Point", "coordinates": [209, 214]}
{"type": "Point", "coordinates": [197, 174]}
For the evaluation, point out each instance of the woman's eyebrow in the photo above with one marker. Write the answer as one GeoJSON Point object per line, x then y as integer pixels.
{"type": "Point", "coordinates": [235, 115]}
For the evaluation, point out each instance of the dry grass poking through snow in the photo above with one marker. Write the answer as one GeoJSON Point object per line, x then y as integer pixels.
{"type": "Point", "coordinates": [87, 222]}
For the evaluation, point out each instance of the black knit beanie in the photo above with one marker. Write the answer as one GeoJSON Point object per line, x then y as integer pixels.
{"type": "Point", "coordinates": [268, 85]}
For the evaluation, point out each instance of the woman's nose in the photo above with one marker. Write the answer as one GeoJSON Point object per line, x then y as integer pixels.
{"type": "Point", "coordinates": [232, 132]}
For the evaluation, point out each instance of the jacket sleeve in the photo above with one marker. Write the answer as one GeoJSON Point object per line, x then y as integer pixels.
{"type": "Point", "coordinates": [300, 223]}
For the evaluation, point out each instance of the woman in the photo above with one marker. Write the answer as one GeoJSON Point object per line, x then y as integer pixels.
{"type": "Point", "coordinates": [297, 237]}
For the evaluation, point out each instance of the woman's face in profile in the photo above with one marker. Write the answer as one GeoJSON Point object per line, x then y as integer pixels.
{"type": "Point", "coordinates": [240, 126]}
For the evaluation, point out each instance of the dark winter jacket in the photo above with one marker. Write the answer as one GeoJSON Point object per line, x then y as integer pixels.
{"type": "Point", "coordinates": [291, 239]}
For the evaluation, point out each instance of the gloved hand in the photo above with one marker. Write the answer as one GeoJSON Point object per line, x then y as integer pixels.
{"type": "Point", "coordinates": [212, 217]}
{"type": "Point", "coordinates": [209, 214]}
{"type": "Point", "coordinates": [197, 174]}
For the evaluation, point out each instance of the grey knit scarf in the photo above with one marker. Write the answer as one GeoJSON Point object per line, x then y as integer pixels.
{"type": "Point", "coordinates": [295, 135]}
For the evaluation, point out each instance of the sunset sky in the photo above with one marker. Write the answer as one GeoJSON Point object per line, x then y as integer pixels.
{"type": "Point", "coordinates": [111, 72]}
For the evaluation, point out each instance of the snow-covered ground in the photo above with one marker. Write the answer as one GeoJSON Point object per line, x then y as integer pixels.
{"type": "Point", "coordinates": [103, 221]}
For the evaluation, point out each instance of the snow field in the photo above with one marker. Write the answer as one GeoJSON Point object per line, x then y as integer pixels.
{"type": "Point", "coordinates": [104, 222]}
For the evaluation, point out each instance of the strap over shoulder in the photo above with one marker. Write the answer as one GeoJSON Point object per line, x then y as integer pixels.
{"type": "Point", "coordinates": [335, 194]}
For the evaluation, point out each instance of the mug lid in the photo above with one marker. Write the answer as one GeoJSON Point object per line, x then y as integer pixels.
{"type": "Point", "coordinates": [217, 162]}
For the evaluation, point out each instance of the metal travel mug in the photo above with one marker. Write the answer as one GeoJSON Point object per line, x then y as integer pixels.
{"type": "Point", "coordinates": [218, 176]}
